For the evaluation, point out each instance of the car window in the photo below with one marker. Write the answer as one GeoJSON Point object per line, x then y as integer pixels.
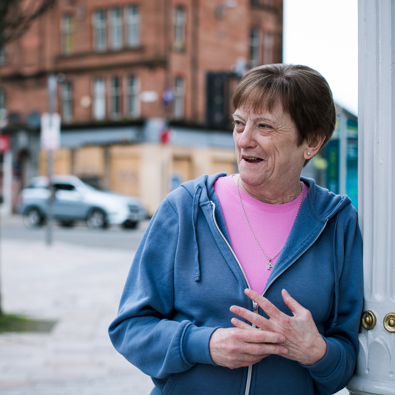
{"type": "Point", "coordinates": [63, 187]}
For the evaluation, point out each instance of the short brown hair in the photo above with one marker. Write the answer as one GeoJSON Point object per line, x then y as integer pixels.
{"type": "Point", "coordinates": [303, 92]}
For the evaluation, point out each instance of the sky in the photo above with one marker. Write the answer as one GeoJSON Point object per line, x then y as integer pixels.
{"type": "Point", "coordinates": [323, 34]}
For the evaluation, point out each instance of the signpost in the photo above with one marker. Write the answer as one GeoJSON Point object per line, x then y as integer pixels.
{"type": "Point", "coordinates": [50, 141]}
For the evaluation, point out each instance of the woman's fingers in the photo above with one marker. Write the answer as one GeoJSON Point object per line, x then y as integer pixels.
{"type": "Point", "coordinates": [262, 337]}
{"type": "Point", "coordinates": [301, 336]}
{"type": "Point", "coordinates": [256, 319]}
{"type": "Point", "coordinates": [234, 348]}
{"type": "Point", "coordinates": [241, 324]}
{"type": "Point", "coordinates": [269, 308]}
{"type": "Point", "coordinates": [291, 303]}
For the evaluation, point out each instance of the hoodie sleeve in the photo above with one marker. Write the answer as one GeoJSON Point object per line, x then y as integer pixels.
{"type": "Point", "coordinates": [144, 332]}
{"type": "Point", "coordinates": [333, 372]}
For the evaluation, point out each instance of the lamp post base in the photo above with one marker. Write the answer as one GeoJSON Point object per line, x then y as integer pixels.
{"type": "Point", "coordinates": [362, 386]}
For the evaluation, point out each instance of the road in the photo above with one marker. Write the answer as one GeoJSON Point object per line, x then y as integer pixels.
{"type": "Point", "coordinates": [114, 237]}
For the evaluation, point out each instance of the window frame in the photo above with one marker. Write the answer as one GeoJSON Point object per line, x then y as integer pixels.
{"type": "Point", "coordinates": [116, 28]}
{"type": "Point", "coordinates": [132, 96]}
{"type": "Point", "coordinates": [179, 98]}
{"type": "Point", "coordinates": [268, 48]}
{"type": "Point", "coordinates": [179, 28]}
{"type": "Point", "coordinates": [2, 55]}
{"type": "Point", "coordinates": [254, 47]}
{"type": "Point", "coordinates": [115, 97]}
{"type": "Point", "coordinates": [101, 27]}
{"type": "Point", "coordinates": [133, 25]}
{"type": "Point", "coordinates": [67, 101]}
{"type": "Point", "coordinates": [67, 34]}
{"type": "Point", "coordinates": [99, 99]}
{"type": "Point", "coordinates": [3, 99]}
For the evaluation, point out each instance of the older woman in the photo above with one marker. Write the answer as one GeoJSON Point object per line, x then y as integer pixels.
{"type": "Point", "coordinates": [259, 272]}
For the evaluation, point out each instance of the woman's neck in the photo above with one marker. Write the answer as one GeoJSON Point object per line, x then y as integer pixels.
{"type": "Point", "coordinates": [280, 195]}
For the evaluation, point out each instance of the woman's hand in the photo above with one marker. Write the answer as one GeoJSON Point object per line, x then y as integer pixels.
{"type": "Point", "coordinates": [303, 341]}
{"type": "Point", "coordinates": [236, 348]}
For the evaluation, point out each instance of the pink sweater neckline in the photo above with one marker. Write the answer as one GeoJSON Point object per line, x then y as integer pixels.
{"type": "Point", "coordinates": [271, 223]}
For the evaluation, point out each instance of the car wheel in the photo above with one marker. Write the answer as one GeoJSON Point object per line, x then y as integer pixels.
{"type": "Point", "coordinates": [66, 224]}
{"type": "Point", "coordinates": [96, 219]}
{"type": "Point", "coordinates": [33, 218]}
{"type": "Point", "coordinates": [130, 225]}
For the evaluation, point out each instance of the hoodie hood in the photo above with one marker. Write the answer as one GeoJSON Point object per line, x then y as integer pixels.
{"type": "Point", "coordinates": [319, 207]}
{"type": "Point", "coordinates": [323, 203]}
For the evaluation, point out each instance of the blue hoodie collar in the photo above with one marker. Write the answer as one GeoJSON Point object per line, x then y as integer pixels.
{"type": "Point", "coordinates": [319, 206]}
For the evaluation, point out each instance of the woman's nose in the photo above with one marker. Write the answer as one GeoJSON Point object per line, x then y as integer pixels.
{"type": "Point", "coordinates": [247, 136]}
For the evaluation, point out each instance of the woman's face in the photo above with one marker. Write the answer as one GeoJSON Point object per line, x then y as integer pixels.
{"type": "Point", "coordinates": [266, 149]}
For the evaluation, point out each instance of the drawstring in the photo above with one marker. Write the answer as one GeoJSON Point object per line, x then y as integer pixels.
{"type": "Point", "coordinates": [336, 272]}
{"type": "Point", "coordinates": [195, 207]}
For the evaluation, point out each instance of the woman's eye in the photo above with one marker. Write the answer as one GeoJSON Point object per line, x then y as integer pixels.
{"type": "Point", "coordinates": [237, 124]}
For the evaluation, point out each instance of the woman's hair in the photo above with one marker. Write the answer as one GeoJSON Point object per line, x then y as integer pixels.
{"type": "Point", "coordinates": [303, 92]}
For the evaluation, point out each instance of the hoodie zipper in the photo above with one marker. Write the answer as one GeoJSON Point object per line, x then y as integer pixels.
{"type": "Point", "coordinates": [254, 304]}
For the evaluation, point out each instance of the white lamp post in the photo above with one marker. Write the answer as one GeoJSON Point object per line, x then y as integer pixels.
{"type": "Point", "coordinates": [375, 372]}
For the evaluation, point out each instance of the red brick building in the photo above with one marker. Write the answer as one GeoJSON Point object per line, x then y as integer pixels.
{"type": "Point", "coordinates": [124, 63]}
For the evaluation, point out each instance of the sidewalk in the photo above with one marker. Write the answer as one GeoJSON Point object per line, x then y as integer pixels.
{"type": "Point", "coordinates": [80, 288]}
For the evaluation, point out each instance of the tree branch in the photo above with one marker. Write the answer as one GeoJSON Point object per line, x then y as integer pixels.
{"type": "Point", "coordinates": [16, 17]}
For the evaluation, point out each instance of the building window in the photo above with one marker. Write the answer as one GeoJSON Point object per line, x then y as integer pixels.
{"type": "Point", "coordinates": [115, 97]}
{"type": "Point", "coordinates": [254, 47]}
{"type": "Point", "coordinates": [67, 34]}
{"type": "Point", "coordinates": [99, 99]}
{"type": "Point", "coordinates": [133, 26]}
{"type": "Point", "coordinates": [99, 30]}
{"type": "Point", "coordinates": [268, 48]}
{"type": "Point", "coordinates": [116, 28]}
{"type": "Point", "coordinates": [2, 99]}
{"type": "Point", "coordinates": [179, 98]}
{"type": "Point", "coordinates": [132, 96]}
{"type": "Point", "coordinates": [179, 28]}
{"type": "Point", "coordinates": [67, 101]}
{"type": "Point", "coordinates": [2, 55]}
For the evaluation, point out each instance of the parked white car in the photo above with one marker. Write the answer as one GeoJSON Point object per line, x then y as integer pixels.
{"type": "Point", "coordinates": [75, 200]}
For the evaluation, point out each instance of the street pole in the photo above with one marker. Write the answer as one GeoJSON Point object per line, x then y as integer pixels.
{"type": "Point", "coordinates": [52, 83]}
{"type": "Point", "coordinates": [375, 373]}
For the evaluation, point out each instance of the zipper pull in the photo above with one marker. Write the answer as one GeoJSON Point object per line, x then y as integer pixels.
{"type": "Point", "coordinates": [255, 306]}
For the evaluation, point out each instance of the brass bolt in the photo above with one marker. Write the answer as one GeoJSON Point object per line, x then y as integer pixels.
{"type": "Point", "coordinates": [389, 322]}
{"type": "Point", "coordinates": [368, 320]}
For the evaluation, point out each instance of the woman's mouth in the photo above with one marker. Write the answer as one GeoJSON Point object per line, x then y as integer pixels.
{"type": "Point", "coordinates": [251, 159]}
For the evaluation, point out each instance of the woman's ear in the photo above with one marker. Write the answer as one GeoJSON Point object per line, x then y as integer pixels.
{"type": "Point", "coordinates": [313, 146]}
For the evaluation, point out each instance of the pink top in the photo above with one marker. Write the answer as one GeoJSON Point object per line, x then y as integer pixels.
{"type": "Point", "coordinates": [271, 224]}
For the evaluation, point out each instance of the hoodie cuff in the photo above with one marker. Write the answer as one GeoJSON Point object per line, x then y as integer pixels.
{"type": "Point", "coordinates": [195, 344]}
{"type": "Point", "coordinates": [328, 364]}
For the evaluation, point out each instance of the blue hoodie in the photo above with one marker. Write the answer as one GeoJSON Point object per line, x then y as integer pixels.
{"type": "Point", "coordinates": [185, 277]}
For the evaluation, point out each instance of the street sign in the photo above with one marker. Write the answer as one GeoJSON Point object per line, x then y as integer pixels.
{"type": "Point", "coordinates": [50, 131]}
